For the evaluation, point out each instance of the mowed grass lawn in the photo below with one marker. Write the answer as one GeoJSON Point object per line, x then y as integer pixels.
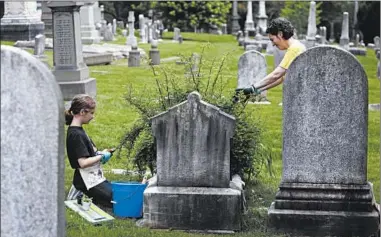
{"type": "Point", "coordinates": [114, 117]}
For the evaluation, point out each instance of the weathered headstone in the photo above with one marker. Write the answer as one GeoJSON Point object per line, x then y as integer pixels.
{"type": "Point", "coordinates": [324, 189]}
{"type": "Point", "coordinates": [252, 67]}
{"type": "Point", "coordinates": [134, 57]}
{"type": "Point", "coordinates": [357, 40]}
{"type": "Point", "coordinates": [108, 36]}
{"type": "Point", "coordinates": [103, 22]}
{"type": "Point", "coordinates": [89, 35]}
{"type": "Point", "coordinates": [32, 148]}
{"type": "Point", "coordinates": [21, 21]}
{"type": "Point", "coordinates": [70, 71]}
{"type": "Point", "coordinates": [344, 38]}
{"type": "Point", "coordinates": [154, 53]}
{"type": "Point", "coordinates": [120, 24]}
{"type": "Point", "coordinates": [224, 29]}
{"type": "Point", "coordinates": [39, 46]}
{"type": "Point", "coordinates": [311, 29]}
{"type": "Point", "coordinates": [114, 26]}
{"type": "Point", "coordinates": [176, 34]}
{"type": "Point", "coordinates": [131, 38]}
{"type": "Point", "coordinates": [193, 170]}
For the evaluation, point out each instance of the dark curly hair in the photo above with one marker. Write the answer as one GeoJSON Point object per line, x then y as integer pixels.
{"type": "Point", "coordinates": [281, 24]}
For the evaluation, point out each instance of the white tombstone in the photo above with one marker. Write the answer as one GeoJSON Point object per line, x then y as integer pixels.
{"type": "Point", "coordinates": [89, 35]}
{"type": "Point", "coordinates": [249, 23]}
{"type": "Point", "coordinates": [262, 18]}
{"type": "Point", "coordinates": [131, 39]}
{"type": "Point", "coordinates": [344, 38]}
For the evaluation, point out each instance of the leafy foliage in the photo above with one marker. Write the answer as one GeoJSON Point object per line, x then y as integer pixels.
{"type": "Point", "coordinates": [172, 87]}
{"type": "Point", "coordinates": [297, 12]}
{"type": "Point", "coordinates": [188, 15]}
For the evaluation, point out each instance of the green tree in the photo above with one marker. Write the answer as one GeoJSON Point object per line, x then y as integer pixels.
{"type": "Point", "coordinates": [297, 12]}
{"type": "Point", "coordinates": [194, 14]}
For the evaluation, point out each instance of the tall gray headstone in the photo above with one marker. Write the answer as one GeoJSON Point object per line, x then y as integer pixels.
{"type": "Point", "coordinates": [21, 21]}
{"type": "Point", "coordinates": [70, 71]}
{"type": "Point", "coordinates": [131, 38]}
{"type": "Point", "coordinates": [324, 189]}
{"type": "Point", "coordinates": [344, 38]}
{"type": "Point", "coordinates": [89, 34]}
{"type": "Point", "coordinates": [108, 36]}
{"type": "Point", "coordinates": [32, 148]}
{"type": "Point", "coordinates": [39, 46]}
{"type": "Point", "coordinates": [311, 29]}
{"type": "Point", "coordinates": [193, 170]}
{"type": "Point", "coordinates": [235, 18]}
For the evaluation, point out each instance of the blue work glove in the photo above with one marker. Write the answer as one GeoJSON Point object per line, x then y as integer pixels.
{"type": "Point", "coordinates": [251, 90]}
{"type": "Point", "coordinates": [106, 155]}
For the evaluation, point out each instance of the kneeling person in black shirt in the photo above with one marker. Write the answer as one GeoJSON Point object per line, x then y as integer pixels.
{"type": "Point", "coordinates": [83, 154]}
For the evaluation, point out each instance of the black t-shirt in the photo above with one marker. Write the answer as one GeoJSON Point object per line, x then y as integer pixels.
{"type": "Point", "coordinates": [78, 145]}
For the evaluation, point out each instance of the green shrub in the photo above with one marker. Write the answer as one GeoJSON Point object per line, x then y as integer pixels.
{"type": "Point", "coordinates": [173, 84]}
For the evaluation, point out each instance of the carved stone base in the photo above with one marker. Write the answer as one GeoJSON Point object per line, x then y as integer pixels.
{"type": "Point", "coordinates": [72, 88]}
{"type": "Point", "coordinates": [19, 31]}
{"type": "Point", "coordinates": [324, 210]}
{"type": "Point", "coordinates": [192, 208]}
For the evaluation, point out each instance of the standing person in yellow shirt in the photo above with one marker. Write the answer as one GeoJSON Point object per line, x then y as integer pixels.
{"type": "Point", "coordinates": [280, 32]}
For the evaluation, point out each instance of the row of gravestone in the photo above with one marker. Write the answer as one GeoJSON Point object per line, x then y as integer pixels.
{"type": "Point", "coordinates": [324, 188]}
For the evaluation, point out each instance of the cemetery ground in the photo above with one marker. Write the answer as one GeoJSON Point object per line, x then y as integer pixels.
{"type": "Point", "coordinates": [114, 117]}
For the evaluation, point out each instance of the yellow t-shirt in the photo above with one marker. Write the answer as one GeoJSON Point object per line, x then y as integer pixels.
{"type": "Point", "coordinates": [292, 52]}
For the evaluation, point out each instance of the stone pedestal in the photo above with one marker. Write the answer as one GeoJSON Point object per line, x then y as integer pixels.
{"type": "Point", "coordinates": [324, 210]}
{"type": "Point", "coordinates": [70, 71]}
{"type": "Point", "coordinates": [179, 205]}
{"type": "Point", "coordinates": [154, 54]}
{"type": "Point", "coordinates": [21, 21]}
{"type": "Point", "coordinates": [89, 34]}
{"type": "Point", "coordinates": [134, 57]}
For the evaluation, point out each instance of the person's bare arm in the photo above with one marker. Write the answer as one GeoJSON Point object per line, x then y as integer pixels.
{"type": "Point", "coordinates": [271, 80]}
{"type": "Point", "coordinates": [90, 161]}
